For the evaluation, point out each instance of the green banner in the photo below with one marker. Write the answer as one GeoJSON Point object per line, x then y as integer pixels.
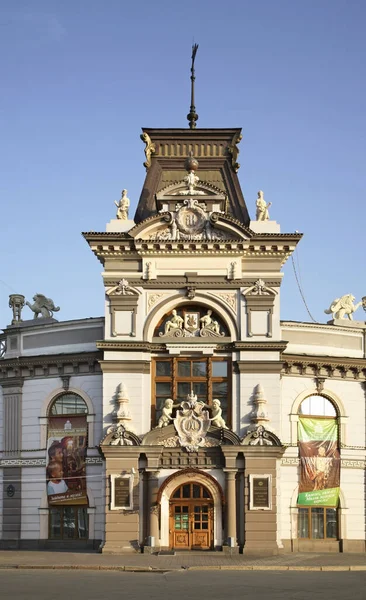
{"type": "Point", "coordinates": [320, 462]}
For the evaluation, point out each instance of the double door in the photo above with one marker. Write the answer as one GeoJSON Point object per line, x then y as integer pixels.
{"type": "Point", "coordinates": [191, 525]}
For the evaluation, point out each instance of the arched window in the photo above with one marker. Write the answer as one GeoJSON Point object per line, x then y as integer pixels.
{"type": "Point", "coordinates": [66, 471]}
{"type": "Point", "coordinates": [68, 404]}
{"type": "Point", "coordinates": [320, 466]}
{"type": "Point", "coordinates": [318, 406]}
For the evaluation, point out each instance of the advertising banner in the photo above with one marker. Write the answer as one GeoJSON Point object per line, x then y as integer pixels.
{"type": "Point", "coordinates": [66, 450]}
{"type": "Point", "coordinates": [320, 462]}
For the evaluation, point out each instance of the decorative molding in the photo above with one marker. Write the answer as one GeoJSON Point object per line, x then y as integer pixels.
{"type": "Point", "coordinates": [125, 366]}
{"type": "Point", "coordinates": [52, 365]}
{"type": "Point", "coordinates": [153, 298]}
{"type": "Point", "coordinates": [228, 298]}
{"type": "Point", "coordinates": [41, 462]}
{"type": "Point", "coordinates": [351, 369]}
{"type": "Point", "coordinates": [345, 463]}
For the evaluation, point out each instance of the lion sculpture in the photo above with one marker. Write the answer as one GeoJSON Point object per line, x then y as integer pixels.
{"type": "Point", "coordinates": [342, 307]}
{"type": "Point", "coordinates": [43, 306]}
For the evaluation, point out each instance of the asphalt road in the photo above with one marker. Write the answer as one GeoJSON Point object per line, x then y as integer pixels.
{"type": "Point", "coordinates": [185, 585]}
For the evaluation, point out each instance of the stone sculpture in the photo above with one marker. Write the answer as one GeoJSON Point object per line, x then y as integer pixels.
{"type": "Point", "coordinates": [209, 323]}
{"type": "Point", "coordinates": [166, 416]}
{"type": "Point", "coordinates": [217, 418]}
{"type": "Point", "coordinates": [262, 208]}
{"type": "Point", "coordinates": [149, 149]}
{"type": "Point", "coordinates": [176, 322]}
{"type": "Point", "coordinates": [122, 206]}
{"type": "Point", "coordinates": [343, 307]}
{"type": "Point", "coordinates": [119, 436]}
{"type": "Point", "coordinates": [42, 306]}
{"type": "Point", "coordinates": [16, 303]}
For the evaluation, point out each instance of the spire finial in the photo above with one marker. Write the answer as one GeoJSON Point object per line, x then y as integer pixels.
{"type": "Point", "coordinates": [193, 116]}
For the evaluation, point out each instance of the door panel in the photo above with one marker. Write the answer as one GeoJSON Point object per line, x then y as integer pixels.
{"type": "Point", "coordinates": [191, 525]}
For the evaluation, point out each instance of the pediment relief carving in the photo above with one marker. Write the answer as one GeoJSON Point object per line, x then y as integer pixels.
{"type": "Point", "coordinates": [259, 289]}
{"type": "Point", "coordinates": [191, 321]}
{"type": "Point", "coordinates": [123, 289]}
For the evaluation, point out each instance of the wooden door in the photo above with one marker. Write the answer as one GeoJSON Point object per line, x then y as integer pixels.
{"type": "Point", "coordinates": [191, 518]}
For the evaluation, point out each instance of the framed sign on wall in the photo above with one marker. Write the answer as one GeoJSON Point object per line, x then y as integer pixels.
{"type": "Point", "coordinates": [122, 492]}
{"type": "Point", "coordinates": [260, 492]}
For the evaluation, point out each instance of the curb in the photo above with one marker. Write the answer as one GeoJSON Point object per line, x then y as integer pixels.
{"type": "Point", "coordinates": [128, 569]}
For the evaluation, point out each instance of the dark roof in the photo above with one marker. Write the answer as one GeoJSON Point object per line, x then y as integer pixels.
{"type": "Point", "coordinates": [217, 153]}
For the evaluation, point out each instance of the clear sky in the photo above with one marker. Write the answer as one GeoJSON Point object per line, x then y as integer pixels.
{"type": "Point", "coordinates": [80, 78]}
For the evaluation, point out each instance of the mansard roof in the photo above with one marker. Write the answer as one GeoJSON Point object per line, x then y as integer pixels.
{"type": "Point", "coordinates": [217, 152]}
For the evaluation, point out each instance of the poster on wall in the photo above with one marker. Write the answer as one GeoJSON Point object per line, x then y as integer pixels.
{"type": "Point", "coordinates": [320, 462]}
{"type": "Point", "coordinates": [66, 450]}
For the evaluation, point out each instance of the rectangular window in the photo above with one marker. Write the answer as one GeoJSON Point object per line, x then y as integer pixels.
{"type": "Point", "coordinates": [68, 523]}
{"type": "Point", "coordinates": [176, 377]}
{"type": "Point", "coordinates": [317, 523]}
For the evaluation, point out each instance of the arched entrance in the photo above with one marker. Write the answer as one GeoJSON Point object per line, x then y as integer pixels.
{"type": "Point", "coordinates": [191, 517]}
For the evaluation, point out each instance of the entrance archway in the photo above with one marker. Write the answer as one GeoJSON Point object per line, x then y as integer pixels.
{"type": "Point", "coordinates": [191, 517]}
{"type": "Point", "coordinates": [187, 476]}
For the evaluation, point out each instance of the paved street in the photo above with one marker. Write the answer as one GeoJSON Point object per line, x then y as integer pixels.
{"type": "Point", "coordinates": [187, 585]}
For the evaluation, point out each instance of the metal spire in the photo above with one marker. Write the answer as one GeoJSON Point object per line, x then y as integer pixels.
{"type": "Point", "coordinates": [193, 116]}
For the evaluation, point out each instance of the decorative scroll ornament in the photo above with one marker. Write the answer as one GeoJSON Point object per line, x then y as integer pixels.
{"type": "Point", "coordinates": [153, 299]}
{"type": "Point", "coordinates": [192, 423]}
{"type": "Point", "coordinates": [120, 435]}
{"type": "Point", "coordinates": [344, 307]}
{"type": "Point", "coordinates": [149, 149]}
{"type": "Point", "coordinates": [191, 325]}
{"type": "Point", "coordinates": [122, 289]}
{"type": "Point", "coordinates": [234, 151]}
{"type": "Point", "coordinates": [261, 437]}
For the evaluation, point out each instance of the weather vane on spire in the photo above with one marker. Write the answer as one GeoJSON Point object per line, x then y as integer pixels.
{"type": "Point", "coordinates": [193, 116]}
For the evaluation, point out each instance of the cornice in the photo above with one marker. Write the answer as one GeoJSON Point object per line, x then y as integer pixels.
{"type": "Point", "coordinates": [166, 281]}
{"type": "Point", "coordinates": [320, 326]}
{"type": "Point", "coordinates": [25, 367]}
{"type": "Point", "coordinates": [324, 366]}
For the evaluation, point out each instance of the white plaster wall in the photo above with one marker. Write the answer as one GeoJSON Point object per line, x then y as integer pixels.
{"type": "Point", "coordinates": [33, 487]}
{"type": "Point", "coordinates": [1, 420]}
{"type": "Point", "coordinates": [34, 393]}
{"type": "Point", "coordinates": [272, 390]}
{"type": "Point", "coordinates": [352, 486]}
{"type": "Point", "coordinates": [288, 486]}
{"type": "Point", "coordinates": [96, 485]}
{"type": "Point", "coordinates": [1, 500]}
{"type": "Point", "coordinates": [139, 392]}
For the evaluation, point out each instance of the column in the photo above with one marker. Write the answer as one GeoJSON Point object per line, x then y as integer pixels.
{"type": "Point", "coordinates": [153, 508]}
{"type": "Point", "coordinates": [231, 504]}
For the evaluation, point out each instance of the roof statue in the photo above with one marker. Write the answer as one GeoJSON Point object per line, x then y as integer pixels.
{"type": "Point", "coordinates": [262, 208]}
{"type": "Point", "coordinates": [122, 206]}
{"type": "Point", "coordinates": [42, 306]}
{"type": "Point", "coordinates": [192, 115]}
{"type": "Point", "coordinates": [16, 303]}
{"type": "Point", "coordinates": [343, 307]}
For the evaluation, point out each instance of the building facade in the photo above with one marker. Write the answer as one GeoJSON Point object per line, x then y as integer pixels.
{"type": "Point", "coordinates": [189, 417]}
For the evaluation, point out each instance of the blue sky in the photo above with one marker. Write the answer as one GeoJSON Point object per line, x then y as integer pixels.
{"type": "Point", "coordinates": [79, 79]}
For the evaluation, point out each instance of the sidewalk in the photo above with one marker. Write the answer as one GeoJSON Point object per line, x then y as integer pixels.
{"type": "Point", "coordinates": [187, 560]}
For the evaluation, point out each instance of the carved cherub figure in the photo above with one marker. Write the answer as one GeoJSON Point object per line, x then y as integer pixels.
{"type": "Point", "coordinates": [217, 418]}
{"type": "Point", "coordinates": [122, 206]}
{"type": "Point", "coordinates": [166, 415]}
